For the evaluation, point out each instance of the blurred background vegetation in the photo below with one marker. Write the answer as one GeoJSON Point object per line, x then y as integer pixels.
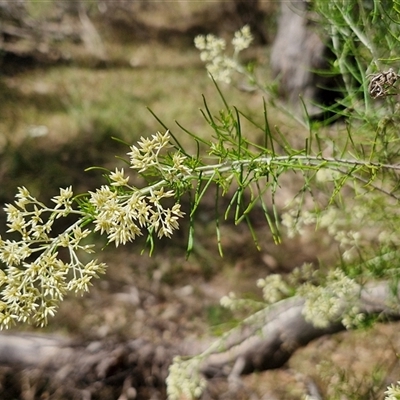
{"type": "Point", "coordinates": [75, 74]}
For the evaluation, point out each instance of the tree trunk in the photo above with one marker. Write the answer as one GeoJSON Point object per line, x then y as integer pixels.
{"type": "Point", "coordinates": [297, 52]}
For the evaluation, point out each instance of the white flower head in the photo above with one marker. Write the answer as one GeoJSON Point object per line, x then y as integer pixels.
{"type": "Point", "coordinates": [210, 46]}
{"type": "Point", "coordinates": [337, 300]}
{"type": "Point", "coordinates": [118, 178]}
{"type": "Point", "coordinates": [274, 288]}
{"type": "Point", "coordinates": [229, 301]}
{"type": "Point", "coordinates": [219, 65]}
{"type": "Point", "coordinates": [393, 392]}
{"type": "Point", "coordinates": [184, 380]}
{"type": "Point", "coordinates": [242, 39]}
{"type": "Point", "coordinates": [146, 154]}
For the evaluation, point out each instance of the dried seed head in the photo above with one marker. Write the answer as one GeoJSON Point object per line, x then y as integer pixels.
{"type": "Point", "coordinates": [381, 83]}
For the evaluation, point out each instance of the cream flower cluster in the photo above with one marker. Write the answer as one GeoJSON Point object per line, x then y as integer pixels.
{"type": "Point", "coordinates": [212, 52]}
{"type": "Point", "coordinates": [36, 277]}
{"type": "Point", "coordinates": [41, 265]}
{"type": "Point", "coordinates": [295, 220]}
{"type": "Point", "coordinates": [346, 227]}
{"type": "Point", "coordinates": [148, 150]}
{"type": "Point", "coordinates": [393, 392]}
{"type": "Point", "coordinates": [148, 155]}
{"type": "Point", "coordinates": [274, 288]}
{"type": "Point", "coordinates": [123, 217]}
{"type": "Point", "coordinates": [334, 302]}
{"type": "Point", "coordinates": [123, 214]}
{"type": "Point", "coordinates": [184, 380]}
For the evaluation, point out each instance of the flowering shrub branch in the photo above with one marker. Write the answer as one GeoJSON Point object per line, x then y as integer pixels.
{"type": "Point", "coordinates": [38, 272]}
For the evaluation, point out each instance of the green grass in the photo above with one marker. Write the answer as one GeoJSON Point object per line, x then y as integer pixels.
{"type": "Point", "coordinates": [83, 108]}
{"type": "Point", "coordinates": [72, 100]}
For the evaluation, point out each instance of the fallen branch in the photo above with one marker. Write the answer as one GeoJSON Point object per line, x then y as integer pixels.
{"type": "Point", "coordinates": [267, 341]}
{"type": "Point", "coordinates": [281, 329]}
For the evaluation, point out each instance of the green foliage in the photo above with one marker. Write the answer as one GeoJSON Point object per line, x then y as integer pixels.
{"type": "Point", "coordinates": [342, 382]}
